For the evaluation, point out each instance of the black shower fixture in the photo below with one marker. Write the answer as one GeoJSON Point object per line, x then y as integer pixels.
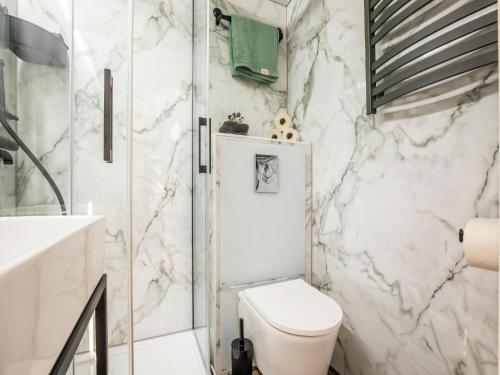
{"type": "Point", "coordinates": [30, 42]}
{"type": "Point", "coordinates": [8, 144]}
{"type": "Point", "coordinates": [6, 157]}
{"type": "Point", "coordinates": [17, 143]}
{"type": "Point", "coordinates": [34, 159]}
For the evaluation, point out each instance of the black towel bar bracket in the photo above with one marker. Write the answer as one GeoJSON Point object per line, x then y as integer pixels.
{"type": "Point", "coordinates": [219, 16]}
{"type": "Point", "coordinates": [401, 69]}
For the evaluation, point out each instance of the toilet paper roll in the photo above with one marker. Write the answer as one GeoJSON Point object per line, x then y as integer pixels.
{"type": "Point", "coordinates": [481, 241]}
{"type": "Point", "coordinates": [275, 134]}
{"type": "Point", "coordinates": [291, 135]}
{"type": "Point", "coordinates": [283, 121]}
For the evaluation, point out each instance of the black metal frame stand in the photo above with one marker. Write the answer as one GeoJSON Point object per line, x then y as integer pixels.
{"type": "Point", "coordinates": [98, 304]}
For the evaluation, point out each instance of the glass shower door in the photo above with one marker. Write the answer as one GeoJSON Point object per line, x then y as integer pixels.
{"type": "Point", "coordinates": [201, 179]}
{"type": "Point", "coordinates": [100, 60]}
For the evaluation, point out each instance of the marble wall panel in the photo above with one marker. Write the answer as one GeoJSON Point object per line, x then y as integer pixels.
{"type": "Point", "coordinates": [390, 194]}
{"type": "Point", "coordinates": [162, 167]}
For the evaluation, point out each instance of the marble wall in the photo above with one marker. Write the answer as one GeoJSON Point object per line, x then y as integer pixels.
{"type": "Point", "coordinates": [8, 183]}
{"type": "Point", "coordinates": [390, 193]}
{"type": "Point", "coordinates": [162, 167]}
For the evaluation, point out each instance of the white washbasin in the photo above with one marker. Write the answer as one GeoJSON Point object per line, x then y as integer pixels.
{"type": "Point", "coordinates": [49, 267]}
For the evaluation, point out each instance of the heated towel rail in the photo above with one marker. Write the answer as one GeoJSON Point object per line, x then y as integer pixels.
{"type": "Point", "coordinates": [455, 42]}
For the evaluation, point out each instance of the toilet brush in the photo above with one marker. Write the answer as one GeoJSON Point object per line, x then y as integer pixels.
{"type": "Point", "coordinates": [242, 354]}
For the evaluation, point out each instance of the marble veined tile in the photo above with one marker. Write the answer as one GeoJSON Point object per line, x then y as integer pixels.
{"type": "Point", "coordinates": [162, 167]}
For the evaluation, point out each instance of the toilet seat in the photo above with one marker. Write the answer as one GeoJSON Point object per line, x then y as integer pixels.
{"type": "Point", "coordinates": [295, 307]}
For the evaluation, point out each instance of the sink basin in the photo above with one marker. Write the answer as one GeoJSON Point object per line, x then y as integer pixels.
{"type": "Point", "coordinates": [49, 267]}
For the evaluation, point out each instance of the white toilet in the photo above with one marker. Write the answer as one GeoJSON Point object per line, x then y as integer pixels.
{"type": "Point", "coordinates": [293, 327]}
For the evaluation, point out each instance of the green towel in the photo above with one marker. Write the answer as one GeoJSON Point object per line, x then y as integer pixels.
{"type": "Point", "coordinates": [254, 48]}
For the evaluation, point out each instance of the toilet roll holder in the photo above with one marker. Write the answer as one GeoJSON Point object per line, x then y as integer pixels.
{"type": "Point", "coordinates": [481, 244]}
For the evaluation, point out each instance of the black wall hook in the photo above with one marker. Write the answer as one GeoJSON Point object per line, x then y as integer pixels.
{"type": "Point", "coordinates": [219, 16]}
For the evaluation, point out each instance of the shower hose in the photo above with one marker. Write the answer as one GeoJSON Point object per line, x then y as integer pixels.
{"type": "Point", "coordinates": [27, 151]}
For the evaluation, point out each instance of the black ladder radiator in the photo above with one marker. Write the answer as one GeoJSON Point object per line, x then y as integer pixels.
{"type": "Point", "coordinates": [456, 41]}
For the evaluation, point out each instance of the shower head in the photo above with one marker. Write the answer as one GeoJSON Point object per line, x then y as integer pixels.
{"type": "Point", "coordinates": [6, 157]}
{"type": "Point", "coordinates": [32, 43]}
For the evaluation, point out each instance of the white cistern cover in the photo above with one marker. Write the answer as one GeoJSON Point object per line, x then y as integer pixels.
{"type": "Point", "coordinates": [296, 307]}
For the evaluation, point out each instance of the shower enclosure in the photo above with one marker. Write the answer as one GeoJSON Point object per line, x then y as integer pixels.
{"type": "Point", "coordinates": [52, 65]}
{"type": "Point", "coordinates": [93, 122]}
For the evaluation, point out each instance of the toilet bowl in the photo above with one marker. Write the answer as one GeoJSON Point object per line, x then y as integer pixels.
{"type": "Point", "coordinates": [293, 327]}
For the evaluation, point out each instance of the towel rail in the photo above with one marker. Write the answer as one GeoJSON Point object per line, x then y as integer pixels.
{"type": "Point", "coordinates": [219, 16]}
{"type": "Point", "coordinates": [453, 43]}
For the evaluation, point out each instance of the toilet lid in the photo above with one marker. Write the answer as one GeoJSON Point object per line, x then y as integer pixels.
{"type": "Point", "coordinates": [296, 307]}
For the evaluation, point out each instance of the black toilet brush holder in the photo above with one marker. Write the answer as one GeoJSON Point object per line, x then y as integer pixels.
{"type": "Point", "coordinates": [241, 354]}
